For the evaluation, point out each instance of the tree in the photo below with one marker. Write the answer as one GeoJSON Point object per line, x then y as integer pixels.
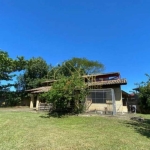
{"type": "Point", "coordinates": [70, 88]}
{"type": "Point", "coordinates": [54, 72]}
{"type": "Point", "coordinates": [77, 65]}
{"type": "Point", "coordinates": [8, 67]}
{"type": "Point", "coordinates": [35, 72]}
{"type": "Point", "coordinates": [67, 92]}
{"type": "Point", "coordinates": [144, 94]}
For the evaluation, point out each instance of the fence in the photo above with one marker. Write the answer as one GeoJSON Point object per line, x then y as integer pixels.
{"type": "Point", "coordinates": [102, 100]}
{"type": "Point", "coordinates": [45, 106]}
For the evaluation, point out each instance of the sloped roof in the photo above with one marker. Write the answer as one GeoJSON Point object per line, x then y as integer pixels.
{"type": "Point", "coordinates": [40, 89]}
{"type": "Point", "coordinates": [49, 81]}
{"type": "Point", "coordinates": [101, 74]}
{"type": "Point", "coordinates": [105, 82]}
{"type": "Point", "coordinates": [108, 82]}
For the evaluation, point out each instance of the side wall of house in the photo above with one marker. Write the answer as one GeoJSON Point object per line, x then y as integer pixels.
{"type": "Point", "coordinates": [102, 107]}
{"type": "Point", "coordinates": [119, 102]}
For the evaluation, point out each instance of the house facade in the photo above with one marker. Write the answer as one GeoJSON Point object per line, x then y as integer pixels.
{"type": "Point", "coordinates": [105, 93]}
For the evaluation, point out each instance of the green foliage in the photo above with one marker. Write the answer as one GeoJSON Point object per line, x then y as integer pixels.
{"type": "Point", "coordinates": [55, 72]}
{"type": "Point", "coordinates": [81, 66]}
{"type": "Point", "coordinates": [12, 98]}
{"type": "Point", "coordinates": [144, 94]}
{"type": "Point", "coordinates": [35, 72]}
{"type": "Point", "coordinates": [67, 92]}
{"type": "Point", "coordinates": [36, 68]}
{"type": "Point", "coordinates": [8, 67]}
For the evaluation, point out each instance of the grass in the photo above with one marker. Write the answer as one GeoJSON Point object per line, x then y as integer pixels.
{"type": "Point", "coordinates": [36, 131]}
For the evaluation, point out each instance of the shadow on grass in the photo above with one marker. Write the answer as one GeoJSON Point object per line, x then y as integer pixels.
{"type": "Point", "coordinates": [57, 115]}
{"type": "Point", "coordinates": [141, 127]}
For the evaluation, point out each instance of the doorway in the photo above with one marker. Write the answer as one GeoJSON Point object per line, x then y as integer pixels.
{"type": "Point", "coordinates": [34, 102]}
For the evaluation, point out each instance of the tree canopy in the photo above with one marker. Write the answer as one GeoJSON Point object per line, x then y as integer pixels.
{"type": "Point", "coordinates": [8, 67]}
{"type": "Point", "coordinates": [35, 72]}
{"type": "Point", "coordinates": [77, 65]}
{"type": "Point", "coordinates": [144, 94]}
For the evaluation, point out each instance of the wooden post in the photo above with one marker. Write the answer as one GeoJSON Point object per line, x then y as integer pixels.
{"type": "Point", "coordinates": [37, 103]}
{"type": "Point", "coordinates": [32, 101]}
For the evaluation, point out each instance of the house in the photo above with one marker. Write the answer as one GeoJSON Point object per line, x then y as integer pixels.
{"type": "Point", "coordinates": [105, 93]}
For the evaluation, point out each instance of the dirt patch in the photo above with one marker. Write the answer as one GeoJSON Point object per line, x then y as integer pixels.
{"type": "Point", "coordinates": [17, 108]}
{"type": "Point", "coordinates": [125, 116]}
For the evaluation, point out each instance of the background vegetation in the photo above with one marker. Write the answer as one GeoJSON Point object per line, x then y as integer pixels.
{"type": "Point", "coordinates": [36, 70]}
{"type": "Point", "coordinates": [144, 96]}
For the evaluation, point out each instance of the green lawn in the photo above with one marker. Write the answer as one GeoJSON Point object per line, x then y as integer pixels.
{"type": "Point", "coordinates": [34, 131]}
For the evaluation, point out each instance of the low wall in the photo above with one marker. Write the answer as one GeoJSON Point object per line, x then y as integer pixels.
{"type": "Point", "coordinates": [44, 106]}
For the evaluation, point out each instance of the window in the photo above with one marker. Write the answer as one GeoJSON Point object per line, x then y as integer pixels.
{"type": "Point", "coordinates": [97, 96]}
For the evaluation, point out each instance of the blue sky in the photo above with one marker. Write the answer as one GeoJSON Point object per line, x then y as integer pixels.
{"type": "Point", "coordinates": [114, 32]}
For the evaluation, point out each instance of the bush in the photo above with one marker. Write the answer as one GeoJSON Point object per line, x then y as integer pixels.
{"type": "Point", "coordinates": [67, 94]}
{"type": "Point", "coordinates": [12, 98]}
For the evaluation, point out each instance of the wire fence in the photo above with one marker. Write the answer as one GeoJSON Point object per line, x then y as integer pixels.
{"type": "Point", "coordinates": [104, 100]}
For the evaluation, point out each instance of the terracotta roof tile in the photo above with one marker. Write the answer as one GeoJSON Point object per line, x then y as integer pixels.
{"type": "Point", "coordinates": [40, 90]}
{"type": "Point", "coordinates": [109, 82]}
